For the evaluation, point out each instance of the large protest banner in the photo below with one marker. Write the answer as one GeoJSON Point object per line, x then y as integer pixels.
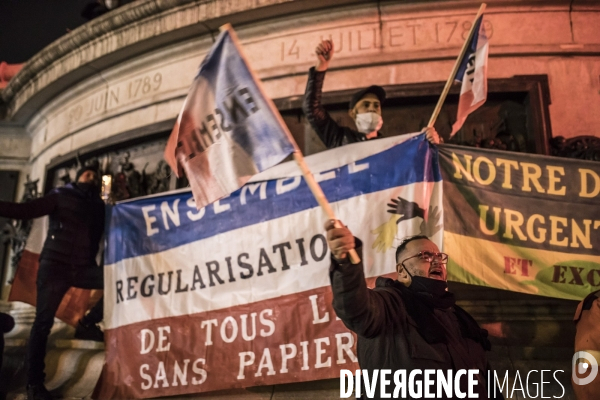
{"type": "Point", "coordinates": [237, 294]}
{"type": "Point", "coordinates": [522, 222]}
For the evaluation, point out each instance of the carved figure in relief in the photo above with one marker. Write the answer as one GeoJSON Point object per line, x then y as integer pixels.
{"type": "Point", "coordinates": [134, 179]}
{"type": "Point", "coordinates": [364, 107]}
{"type": "Point", "coordinates": [158, 181]}
{"type": "Point", "coordinates": [119, 188]}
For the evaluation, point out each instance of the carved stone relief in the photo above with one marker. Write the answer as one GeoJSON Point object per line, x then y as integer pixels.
{"type": "Point", "coordinates": [130, 172]}
{"type": "Point", "coordinates": [581, 147]}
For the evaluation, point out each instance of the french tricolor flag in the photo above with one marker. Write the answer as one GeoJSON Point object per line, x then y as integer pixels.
{"type": "Point", "coordinates": [473, 75]}
{"type": "Point", "coordinates": [227, 130]}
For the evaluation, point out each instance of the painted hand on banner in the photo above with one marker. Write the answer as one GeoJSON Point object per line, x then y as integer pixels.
{"type": "Point", "coordinates": [401, 210]}
{"type": "Point", "coordinates": [386, 234]}
{"type": "Point", "coordinates": [433, 223]}
{"type": "Point", "coordinates": [406, 209]}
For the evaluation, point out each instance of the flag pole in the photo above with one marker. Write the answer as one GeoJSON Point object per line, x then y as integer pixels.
{"type": "Point", "coordinates": [312, 183]}
{"type": "Point", "coordinates": [442, 98]}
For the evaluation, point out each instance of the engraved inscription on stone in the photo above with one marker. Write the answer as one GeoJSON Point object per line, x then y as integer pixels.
{"type": "Point", "coordinates": [394, 36]}
{"type": "Point", "coordinates": [114, 96]}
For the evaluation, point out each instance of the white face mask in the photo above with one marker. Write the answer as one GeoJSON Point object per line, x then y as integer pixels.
{"type": "Point", "coordinates": [368, 122]}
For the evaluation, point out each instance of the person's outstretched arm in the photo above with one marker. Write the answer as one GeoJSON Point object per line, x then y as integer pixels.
{"type": "Point", "coordinates": [364, 311]}
{"type": "Point", "coordinates": [30, 210]}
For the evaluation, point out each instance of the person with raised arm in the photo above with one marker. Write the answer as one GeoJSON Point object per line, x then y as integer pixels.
{"type": "Point", "coordinates": [364, 107]}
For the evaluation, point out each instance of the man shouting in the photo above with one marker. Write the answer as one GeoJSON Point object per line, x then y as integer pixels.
{"type": "Point", "coordinates": [409, 323]}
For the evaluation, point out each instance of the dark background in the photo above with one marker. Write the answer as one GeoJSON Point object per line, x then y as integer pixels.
{"type": "Point", "coordinates": [27, 26]}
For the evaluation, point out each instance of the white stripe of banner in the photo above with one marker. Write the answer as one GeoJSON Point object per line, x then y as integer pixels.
{"type": "Point", "coordinates": [262, 261]}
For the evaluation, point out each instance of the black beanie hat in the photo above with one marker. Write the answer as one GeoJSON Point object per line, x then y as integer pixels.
{"type": "Point", "coordinates": [376, 90]}
{"type": "Point", "coordinates": [83, 169]}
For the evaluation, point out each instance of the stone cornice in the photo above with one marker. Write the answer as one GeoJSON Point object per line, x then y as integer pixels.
{"type": "Point", "coordinates": [129, 31]}
{"type": "Point", "coordinates": [145, 25]}
{"type": "Point", "coordinates": [82, 35]}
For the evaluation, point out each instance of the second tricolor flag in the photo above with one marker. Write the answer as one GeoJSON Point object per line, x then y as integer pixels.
{"type": "Point", "coordinates": [473, 75]}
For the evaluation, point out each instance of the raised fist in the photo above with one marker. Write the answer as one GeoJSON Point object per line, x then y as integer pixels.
{"type": "Point", "coordinates": [324, 52]}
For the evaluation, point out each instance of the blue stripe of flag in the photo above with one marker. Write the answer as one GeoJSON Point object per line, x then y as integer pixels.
{"type": "Point", "coordinates": [409, 162]}
{"type": "Point", "coordinates": [260, 134]}
{"type": "Point", "coordinates": [471, 49]}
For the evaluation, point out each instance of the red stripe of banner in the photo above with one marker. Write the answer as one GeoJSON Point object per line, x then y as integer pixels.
{"type": "Point", "coordinates": [293, 338]}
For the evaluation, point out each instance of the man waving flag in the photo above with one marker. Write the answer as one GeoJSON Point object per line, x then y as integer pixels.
{"type": "Point", "coordinates": [472, 72]}
{"type": "Point", "coordinates": [229, 130]}
{"type": "Point", "coordinates": [226, 131]}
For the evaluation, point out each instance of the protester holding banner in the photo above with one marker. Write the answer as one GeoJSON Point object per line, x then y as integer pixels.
{"type": "Point", "coordinates": [418, 327]}
{"type": "Point", "coordinates": [67, 259]}
{"type": "Point", "coordinates": [364, 107]}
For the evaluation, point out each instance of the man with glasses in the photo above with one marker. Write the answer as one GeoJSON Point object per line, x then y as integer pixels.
{"type": "Point", "coordinates": [412, 322]}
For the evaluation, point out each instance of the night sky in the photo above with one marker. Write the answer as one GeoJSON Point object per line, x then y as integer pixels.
{"type": "Point", "coordinates": [27, 26]}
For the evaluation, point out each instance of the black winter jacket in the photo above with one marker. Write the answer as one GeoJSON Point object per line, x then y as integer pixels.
{"type": "Point", "coordinates": [389, 337]}
{"type": "Point", "coordinates": [328, 130]}
{"type": "Point", "coordinates": [76, 223]}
